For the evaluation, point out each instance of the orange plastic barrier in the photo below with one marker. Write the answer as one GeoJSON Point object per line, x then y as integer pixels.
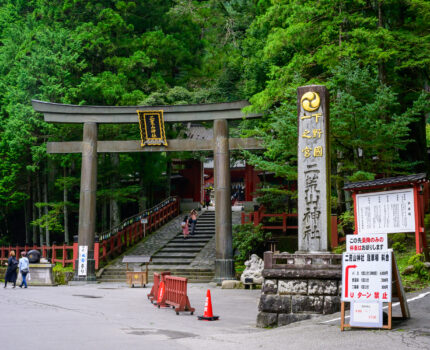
{"type": "Point", "coordinates": [176, 294]}
{"type": "Point", "coordinates": [158, 278]}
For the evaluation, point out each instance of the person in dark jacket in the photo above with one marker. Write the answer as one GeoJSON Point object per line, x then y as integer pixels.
{"type": "Point", "coordinates": [12, 265]}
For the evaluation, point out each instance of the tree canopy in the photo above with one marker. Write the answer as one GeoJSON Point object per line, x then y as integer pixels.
{"type": "Point", "coordinates": [374, 57]}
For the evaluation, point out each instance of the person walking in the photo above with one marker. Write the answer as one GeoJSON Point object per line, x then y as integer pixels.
{"type": "Point", "coordinates": [24, 268]}
{"type": "Point", "coordinates": [193, 221]}
{"type": "Point", "coordinates": [185, 229]}
{"type": "Point", "coordinates": [12, 264]}
{"type": "Point", "coordinates": [207, 198]}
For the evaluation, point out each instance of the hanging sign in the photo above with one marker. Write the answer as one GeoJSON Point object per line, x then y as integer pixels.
{"type": "Point", "coordinates": [83, 259]}
{"type": "Point", "coordinates": [366, 276]}
{"type": "Point", "coordinates": [385, 212]}
{"type": "Point", "coordinates": [151, 125]}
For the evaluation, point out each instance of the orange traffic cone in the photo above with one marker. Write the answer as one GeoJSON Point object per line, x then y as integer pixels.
{"type": "Point", "coordinates": [160, 297]}
{"type": "Point", "coordinates": [208, 315]}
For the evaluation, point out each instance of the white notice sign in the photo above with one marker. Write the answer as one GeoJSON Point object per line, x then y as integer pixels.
{"type": "Point", "coordinates": [385, 212]}
{"type": "Point", "coordinates": [366, 314]}
{"type": "Point", "coordinates": [366, 276]}
{"type": "Point", "coordinates": [83, 258]}
{"type": "Point", "coordinates": [367, 243]}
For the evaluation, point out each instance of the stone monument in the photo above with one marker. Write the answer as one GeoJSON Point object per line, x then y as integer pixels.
{"type": "Point", "coordinates": [301, 285]}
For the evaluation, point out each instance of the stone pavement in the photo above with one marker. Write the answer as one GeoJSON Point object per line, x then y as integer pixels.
{"type": "Point", "coordinates": [112, 316]}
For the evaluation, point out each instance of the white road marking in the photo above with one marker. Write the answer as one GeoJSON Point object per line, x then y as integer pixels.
{"type": "Point", "coordinates": [420, 296]}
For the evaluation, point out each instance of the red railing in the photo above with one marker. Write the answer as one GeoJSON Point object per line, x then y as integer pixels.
{"type": "Point", "coordinates": [110, 242]}
{"type": "Point", "coordinates": [258, 216]}
{"type": "Point", "coordinates": [132, 229]}
{"type": "Point", "coordinates": [57, 253]}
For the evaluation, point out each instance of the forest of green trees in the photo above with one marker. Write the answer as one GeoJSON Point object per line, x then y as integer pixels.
{"type": "Point", "coordinates": [373, 56]}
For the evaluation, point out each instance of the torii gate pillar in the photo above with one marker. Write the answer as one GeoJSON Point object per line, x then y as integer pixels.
{"type": "Point", "coordinates": [224, 263]}
{"type": "Point", "coordinates": [87, 201]}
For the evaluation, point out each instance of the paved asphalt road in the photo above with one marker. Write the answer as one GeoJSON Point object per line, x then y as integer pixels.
{"type": "Point", "coordinates": [111, 316]}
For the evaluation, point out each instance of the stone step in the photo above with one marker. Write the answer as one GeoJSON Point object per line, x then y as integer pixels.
{"type": "Point", "coordinates": [190, 240]}
{"type": "Point", "coordinates": [188, 244]}
{"type": "Point", "coordinates": [171, 255]}
{"type": "Point", "coordinates": [182, 249]}
{"type": "Point", "coordinates": [196, 235]}
{"type": "Point", "coordinates": [176, 261]}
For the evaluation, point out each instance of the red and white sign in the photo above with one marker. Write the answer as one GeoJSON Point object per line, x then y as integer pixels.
{"type": "Point", "coordinates": [366, 314]}
{"type": "Point", "coordinates": [367, 243]}
{"type": "Point", "coordinates": [366, 276]}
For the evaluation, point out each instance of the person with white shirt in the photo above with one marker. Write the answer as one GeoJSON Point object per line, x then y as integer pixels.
{"type": "Point", "coordinates": [24, 268]}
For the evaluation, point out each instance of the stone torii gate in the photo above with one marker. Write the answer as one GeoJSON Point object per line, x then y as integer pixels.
{"type": "Point", "coordinates": [221, 145]}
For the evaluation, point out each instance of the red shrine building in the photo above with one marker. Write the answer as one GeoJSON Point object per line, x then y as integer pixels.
{"type": "Point", "coordinates": [190, 179]}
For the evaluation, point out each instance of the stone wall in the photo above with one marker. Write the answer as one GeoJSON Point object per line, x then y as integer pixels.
{"type": "Point", "coordinates": [305, 287]}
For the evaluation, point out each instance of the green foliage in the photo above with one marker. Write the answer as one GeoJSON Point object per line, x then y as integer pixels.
{"type": "Point", "coordinates": [53, 219]}
{"type": "Point", "coordinates": [401, 243]}
{"type": "Point", "coordinates": [372, 56]}
{"type": "Point", "coordinates": [249, 239]}
{"type": "Point", "coordinates": [62, 274]}
{"type": "Point", "coordinates": [347, 222]}
{"type": "Point", "coordinates": [274, 199]}
{"type": "Point", "coordinates": [417, 261]}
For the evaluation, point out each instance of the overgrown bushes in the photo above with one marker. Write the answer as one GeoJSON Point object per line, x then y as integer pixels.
{"type": "Point", "coordinates": [249, 239]}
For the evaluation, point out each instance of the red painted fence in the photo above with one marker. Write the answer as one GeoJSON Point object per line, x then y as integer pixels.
{"type": "Point", "coordinates": [111, 242]}
{"type": "Point", "coordinates": [258, 216]}
{"type": "Point", "coordinates": [58, 253]}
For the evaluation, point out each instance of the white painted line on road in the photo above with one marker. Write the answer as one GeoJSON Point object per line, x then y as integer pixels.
{"type": "Point", "coordinates": [420, 296]}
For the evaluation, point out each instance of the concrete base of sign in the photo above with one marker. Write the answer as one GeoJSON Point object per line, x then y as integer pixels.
{"type": "Point", "coordinates": [306, 286]}
{"type": "Point", "coordinates": [91, 272]}
{"type": "Point", "coordinates": [40, 274]}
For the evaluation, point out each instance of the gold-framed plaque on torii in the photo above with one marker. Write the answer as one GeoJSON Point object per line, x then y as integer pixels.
{"type": "Point", "coordinates": [151, 126]}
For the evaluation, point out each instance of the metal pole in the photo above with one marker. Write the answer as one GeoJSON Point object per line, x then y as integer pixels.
{"type": "Point", "coordinates": [224, 264]}
{"type": "Point", "coordinates": [87, 201]}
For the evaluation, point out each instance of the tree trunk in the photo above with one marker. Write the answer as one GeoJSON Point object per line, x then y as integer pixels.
{"type": "Point", "coordinates": [39, 209]}
{"type": "Point", "coordinates": [114, 207]}
{"type": "Point", "coordinates": [142, 195]}
{"type": "Point", "coordinates": [27, 210]}
{"type": "Point", "coordinates": [168, 175]}
{"type": "Point", "coordinates": [46, 209]}
{"type": "Point", "coordinates": [381, 65]}
{"type": "Point", "coordinates": [33, 201]}
{"type": "Point", "coordinates": [66, 210]}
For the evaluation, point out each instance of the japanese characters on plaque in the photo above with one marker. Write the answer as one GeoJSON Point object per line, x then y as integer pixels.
{"type": "Point", "coordinates": [367, 271]}
{"type": "Point", "coordinates": [151, 125]}
{"type": "Point", "coordinates": [385, 212]}
{"type": "Point", "coordinates": [313, 168]}
{"type": "Point", "coordinates": [83, 260]}
{"type": "Point", "coordinates": [373, 243]}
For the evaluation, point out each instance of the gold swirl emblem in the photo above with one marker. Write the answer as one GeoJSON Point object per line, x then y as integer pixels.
{"type": "Point", "coordinates": [310, 101]}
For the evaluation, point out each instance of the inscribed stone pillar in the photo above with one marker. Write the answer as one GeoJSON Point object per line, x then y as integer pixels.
{"type": "Point", "coordinates": [313, 168]}
{"type": "Point", "coordinates": [224, 264]}
{"type": "Point", "coordinates": [87, 200]}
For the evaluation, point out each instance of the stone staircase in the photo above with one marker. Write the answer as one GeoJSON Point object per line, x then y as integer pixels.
{"type": "Point", "coordinates": [183, 257]}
